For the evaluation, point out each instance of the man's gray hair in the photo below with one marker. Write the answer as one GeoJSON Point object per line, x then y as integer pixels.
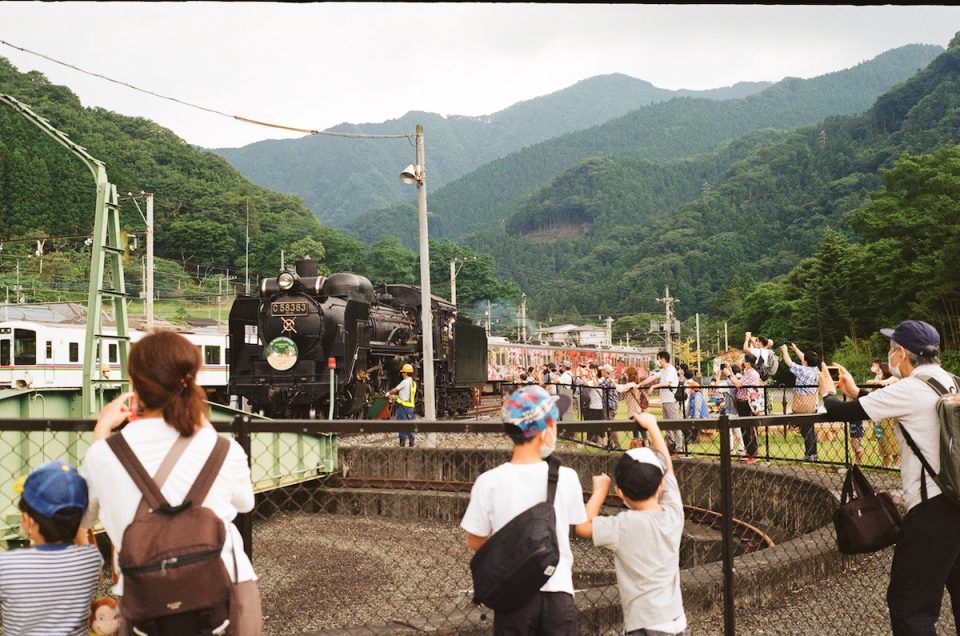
{"type": "Point", "coordinates": [917, 360]}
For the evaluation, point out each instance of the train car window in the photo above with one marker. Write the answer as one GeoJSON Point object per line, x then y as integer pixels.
{"type": "Point", "coordinates": [74, 351]}
{"type": "Point", "coordinates": [5, 353]}
{"type": "Point", "coordinates": [211, 355]}
{"type": "Point", "coordinates": [250, 335]}
{"type": "Point", "coordinates": [112, 353]}
{"type": "Point", "coordinates": [24, 346]}
{"type": "Point", "coordinates": [49, 350]}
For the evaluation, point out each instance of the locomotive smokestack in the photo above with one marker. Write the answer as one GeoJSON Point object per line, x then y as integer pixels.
{"type": "Point", "coordinates": [307, 267]}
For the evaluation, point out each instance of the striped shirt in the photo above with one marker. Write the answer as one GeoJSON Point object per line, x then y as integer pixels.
{"type": "Point", "coordinates": [47, 589]}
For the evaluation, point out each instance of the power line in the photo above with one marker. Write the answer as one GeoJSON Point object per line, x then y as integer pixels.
{"type": "Point", "coordinates": [248, 120]}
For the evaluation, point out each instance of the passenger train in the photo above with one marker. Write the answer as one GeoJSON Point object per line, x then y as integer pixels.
{"type": "Point", "coordinates": [505, 358]}
{"type": "Point", "coordinates": [50, 355]}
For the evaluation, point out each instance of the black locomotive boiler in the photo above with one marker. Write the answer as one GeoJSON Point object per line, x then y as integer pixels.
{"type": "Point", "coordinates": [283, 343]}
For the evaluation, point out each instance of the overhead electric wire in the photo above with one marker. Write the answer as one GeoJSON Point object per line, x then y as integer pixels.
{"type": "Point", "coordinates": [248, 120]}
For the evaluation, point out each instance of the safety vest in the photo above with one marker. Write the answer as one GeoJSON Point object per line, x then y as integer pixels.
{"type": "Point", "coordinates": [413, 395]}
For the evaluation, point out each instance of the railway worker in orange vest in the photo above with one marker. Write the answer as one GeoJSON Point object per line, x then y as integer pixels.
{"type": "Point", "coordinates": [406, 391]}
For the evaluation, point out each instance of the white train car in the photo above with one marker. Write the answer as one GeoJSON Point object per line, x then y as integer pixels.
{"type": "Point", "coordinates": [36, 354]}
{"type": "Point", "coordinates": [504, 358]}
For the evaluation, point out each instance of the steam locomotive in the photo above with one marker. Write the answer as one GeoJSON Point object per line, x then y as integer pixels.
{"type": "Point", "coordinates": [285, 343]}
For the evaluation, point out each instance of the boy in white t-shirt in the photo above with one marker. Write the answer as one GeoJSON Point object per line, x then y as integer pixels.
{"type": "Point", "coordinates": [645, 539]}
{"type": "Point", "coordinates": [530, 419]}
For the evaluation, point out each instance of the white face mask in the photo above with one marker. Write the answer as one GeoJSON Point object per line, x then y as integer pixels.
{"type": "Point", "coordinates": [894, 369]}
{"type": "Point", "coordinates": [547, 449]}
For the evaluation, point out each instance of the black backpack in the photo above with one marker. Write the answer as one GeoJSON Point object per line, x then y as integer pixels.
{"type": "Point", "coordinates": [761, 366]}
{"type": "Point", "coordinates": [519, 558]}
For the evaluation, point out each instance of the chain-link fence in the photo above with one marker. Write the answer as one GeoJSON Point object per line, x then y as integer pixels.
{"type": "Point", "coordinates": [375, 547]}
{"type": "Point", "coordinates": [353, 534]}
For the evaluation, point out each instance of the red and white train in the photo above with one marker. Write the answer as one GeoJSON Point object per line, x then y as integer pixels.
{"type": "Point", "coordinates": [505, 359]}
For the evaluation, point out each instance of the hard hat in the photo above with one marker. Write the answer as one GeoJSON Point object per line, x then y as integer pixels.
{"type": "Point", "coordinates": [407, 368]}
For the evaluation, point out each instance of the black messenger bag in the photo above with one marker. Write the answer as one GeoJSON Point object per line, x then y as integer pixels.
{"type": "Point", "coordinates": [866, 522]}
{"type": "Point", "coordinates": [517, 559]}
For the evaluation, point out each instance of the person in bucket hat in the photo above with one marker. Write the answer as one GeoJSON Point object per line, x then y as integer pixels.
{"type": "Point", "coordinates": [530, 417]}
{"type": "Point", "coordinates": [927, 555]}
{"type": "Point", "coordinates": [47, 588]}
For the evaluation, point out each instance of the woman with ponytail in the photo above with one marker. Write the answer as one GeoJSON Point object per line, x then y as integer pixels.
{"type": "Point", "coordinates": [171, 407]}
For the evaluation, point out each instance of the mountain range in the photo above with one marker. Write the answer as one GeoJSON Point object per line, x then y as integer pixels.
{"type": "Point", "coordinates": [341, 179]}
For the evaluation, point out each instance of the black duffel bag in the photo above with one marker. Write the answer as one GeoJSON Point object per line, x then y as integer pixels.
{"type": "Point", "coordinates": [868, 522]}
{"type": "Point", "coordinates": [519, 558]}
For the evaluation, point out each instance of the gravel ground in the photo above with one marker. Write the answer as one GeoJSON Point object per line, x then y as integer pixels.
{"type": "Point", "coordinates": [318, 571]}
{"type": "Point", "coordinates": [849, 604]}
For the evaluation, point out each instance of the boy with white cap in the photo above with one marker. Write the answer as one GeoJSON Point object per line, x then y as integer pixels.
{"type": "Point", "coordinates": [530, 418]}
{"type": "Point", "coordinates": [645, 538]}
{"type": "Point", "coordinates": [47, 589]}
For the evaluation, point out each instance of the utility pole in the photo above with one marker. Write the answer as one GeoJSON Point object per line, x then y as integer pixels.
{"type": "Point", "coordinates": [698, 343]}
{"type": "Point", "coordinates": [148, 273]}
{"type": "Point", "coordinates": [149, 303]}
{"type": "Point", "coordinates": [668, 329]}
{"type": "Point", "coordinates": [454, 270]}
{"type": "Point", "coordinates": [220, 300]}
{"type": "Point", "coordinates": [726, 339]}
{"type": "Point", "coordinates": [19, 287]}
{"type": "Point", "coordinates": [488, 319]}
{"type": "Point", "coordinates": [523, 317]}
{"type": "Point", "coordinates": [246, 254]}
{"type": "Point", "coordinates": [609, 322]}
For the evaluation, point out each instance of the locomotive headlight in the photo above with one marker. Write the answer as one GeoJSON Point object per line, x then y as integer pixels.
{"type": "Point", "coordinates": [286, 280]}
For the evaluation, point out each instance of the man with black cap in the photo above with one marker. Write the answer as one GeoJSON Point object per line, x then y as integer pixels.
{"type": "Point", "coordinates": [927, 555]}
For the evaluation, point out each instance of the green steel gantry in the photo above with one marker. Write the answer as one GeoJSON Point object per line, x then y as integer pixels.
{"type": "Point", "coordinates": [106, 244]}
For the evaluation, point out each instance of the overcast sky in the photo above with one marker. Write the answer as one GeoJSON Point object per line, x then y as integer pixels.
{"type": "Point", "coordinates": [317, 65]}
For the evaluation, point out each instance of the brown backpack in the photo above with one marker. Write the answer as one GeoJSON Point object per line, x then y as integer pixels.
{"type": "Point", "coordinates": [174, 581]}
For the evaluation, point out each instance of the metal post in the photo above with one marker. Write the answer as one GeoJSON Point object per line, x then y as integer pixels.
{"type": "Point", "coordinates": [244, 521]}
{"type": "Point", "coordinates": [149, 289]}
{"type": "Point", "coordinates": [726, 526]}
{"type": "Point", "coordinates": [426, 315]}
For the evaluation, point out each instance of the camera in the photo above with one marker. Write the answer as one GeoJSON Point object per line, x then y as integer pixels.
{"type": "Point", "coordinates": [834, 373]}
{"type": "Point", "coordinates": [723, 365]}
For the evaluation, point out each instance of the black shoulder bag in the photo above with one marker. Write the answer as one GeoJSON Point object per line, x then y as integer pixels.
{"type": "Point", "coordinates": [868, 522]}
{"type": "Point", "coordinates": [517, 560]}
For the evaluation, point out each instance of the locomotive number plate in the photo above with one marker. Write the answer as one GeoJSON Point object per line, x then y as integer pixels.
{"type": "Point", "coordinates": [288, 309]}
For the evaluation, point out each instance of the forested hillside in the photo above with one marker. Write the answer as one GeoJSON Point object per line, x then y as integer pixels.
{"type": "Point", "coordinates": [682, 127]}
{"type": "Point", "coordinates": [757, 220]}
{"type": "Point", "coordinates": [201, 207]}
{"type": "Point", "coordinates": [341, 179]}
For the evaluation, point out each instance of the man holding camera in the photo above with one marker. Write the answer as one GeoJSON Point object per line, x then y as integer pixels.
{"type": "Point", "coordinates": [927, 555]}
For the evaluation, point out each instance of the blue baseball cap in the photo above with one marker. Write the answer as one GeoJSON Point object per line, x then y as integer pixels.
{"type": "Point", "coordinates": [916, 336]}
{"type": "Point", "coordinates": [53, 487]}
{"type": "Point", "coordinates": [532, 409]}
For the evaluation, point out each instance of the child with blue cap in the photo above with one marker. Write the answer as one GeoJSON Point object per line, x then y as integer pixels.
{"type": "Point", "coordinates": [47, 589]}
{"type": "Point", "coordinates": [530, 417]}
